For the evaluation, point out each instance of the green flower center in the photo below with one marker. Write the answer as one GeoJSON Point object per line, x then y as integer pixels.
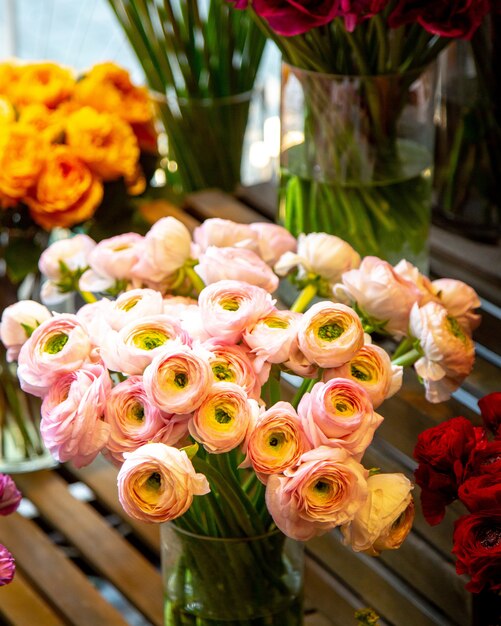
{"type": "Point", "coordinates": [330, 332]}
{"type": "Point", "coordinates": [222, 416]}
{"type": "Point", "coordinates": [56, 343]}
{"type": "Point", "coordinates": [275, 440]}
{"type": "Point", "coordinates": [275, 322]}
{"type": "Point", "coordinates": [149, 339]}
{"type": "Point", "coordinates": [137, 412]}
{"type": "Point", "coordinates": [154, 481]}
{"type": "Point", "coordinates": [230, 305]}
{"type": "Point", "coordinates": [360, 373]}
{"type": "Point", "coordinates": [322, 487]}
{"type": "Point", "coordinates": [180, 380]}
{"type": "Point", "coordinates": [221, 372]}
{"type": "Point", "coordinates": [455, 328]}
{"type": "Point", "coordinates": [341, 407]}
{"type": "Point", "coordinates": [130, 304]}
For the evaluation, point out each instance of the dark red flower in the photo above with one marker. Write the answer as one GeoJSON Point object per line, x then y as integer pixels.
{"type": "Point", "coordinates": [10, 496]}
{"type": "Point", "coordinates": [457, 18]}
{"type": "Point", "coordinates": [481, 493]}
{"type": "Point", "coordinates": [437, 491]}
{"type": "Point", "coordinates": [477, 546]}
{"type": "Point", "coordinates": [355, 11]}
{"type": "Point", "coordinates": [490, 407]}
{"type": "Point", "coordinates": [485, 460]}
{"type": "Point", "coordinates": [292, 17]}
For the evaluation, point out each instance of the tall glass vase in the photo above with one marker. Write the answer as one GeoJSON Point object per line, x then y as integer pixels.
{"type": "Point", "coordinates": [356, 159]}
{"type": "Point", "coordinates": [248, 581]}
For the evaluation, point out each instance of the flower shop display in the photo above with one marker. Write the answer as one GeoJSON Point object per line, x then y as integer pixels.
{"type": "Point", "coordinates": [73, 151]}
{"type": "Point", "coordinates": [10, 497]}
{"type": "Point", "coordinates": [460, 461]}
{"type": "Point", "coordinates": [201, 61]}
{"type": "Point", "coordinates": [357, 115]}
{"type": "Point", "coordinates": [174, 370]}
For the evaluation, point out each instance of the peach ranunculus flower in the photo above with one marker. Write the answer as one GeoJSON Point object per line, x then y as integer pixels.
{"type": "Point", "coordinates": [271, 337]}
{"type": "Point", "coordinates": [460, 300]}
{"type": "Point", "coordinates": [222, 233]}
{"type": "Point", "coordinates": [21, 154]}
{"type": "Point", "coordinates": [58, 346]}
{"type": "Point", "coordinates": [275, 442]}
{"type": "Point", "coordinates": [410, 272]}
{"type": "Point", "coordinates": [325, 490]}
{"type": "Point", "coordinates": [382, 296]}
{"type": "Point", "coordinates": [339, 413]}
{"type": "Point", "coordinates": [448, 351]}
{"type": "Point", "coordinates": [107, 87]}
{"type": "Point", "coordinates": [385, 519]}
{"type": "Point", "coordinates": [133, 305]}
{"type": "Point", "coordinates": [19, 320]}
{"type": "Point", "coordinates": [104, 142]}
{"type": "Point", "coordinates": [221, 422]}
{"type": "Point", "coordinates": [179, 379]}
{"type": "Point", "coordinates": [330, 334]}
{"type": "Point", "coordinates": [320, 254]}
{"type": "Point", "coordinates": [273, 241]}
{"type": "Point", "coordinates": [72, 426]}
{"type": "Point", "coordinates": [233, 364]}
{"type": "Point", "coordinates": [134, 421]}
{"type": "Point", "coordinates": [217, 264]}
{"type": "Point", "coordinates": [298, 364]}
{"type": "Point", "coordinates": [66, 192]}
{"type": "Point", "coordinates": [42, 83]}
{"type": "Point", "coordinates": [157, 483]}
{"type": "Point", "coordinates": [228, 307]}
{"type": "Point", "coordinates": [72, 253]}
{"type": "Point", "coordinates": [131, 349]}
{"type": "Point", "coordinates": [371, 367]}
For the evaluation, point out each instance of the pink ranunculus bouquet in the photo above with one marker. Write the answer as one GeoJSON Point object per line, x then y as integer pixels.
{"type": "Point", "coordinates": [10, 497]}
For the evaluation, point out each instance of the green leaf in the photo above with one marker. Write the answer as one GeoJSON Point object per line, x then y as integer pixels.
{"type": "Point", "coordinates": [191, 451]}
{"type": "Point", "coordinates": [21, 258]}
{"type": "Point", "coordinates": [29, 330]}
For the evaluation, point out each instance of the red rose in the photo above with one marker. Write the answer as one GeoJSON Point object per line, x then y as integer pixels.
{"type": "Point", "coordinates": [485, 460]}
{"type": "Point", "coordinates": [292, 17]}
{"type": "Point", "coordinates": [481, 493]}
{"type": "Point", "coordinates": [458, 18]}
{"type": "Point", "coordinates": [477, 546]}
{"type": "Point", "coordinates": [490, 407]}
{"type": "Point", "coordinates": [437, 491]}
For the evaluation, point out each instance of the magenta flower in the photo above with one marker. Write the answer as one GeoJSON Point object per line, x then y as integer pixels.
{"type": "Point", "coordinates": [7, 566]}
{"type": "Point", "coordinates": [10, 496]}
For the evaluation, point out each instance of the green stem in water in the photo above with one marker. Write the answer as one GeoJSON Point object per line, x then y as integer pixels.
{"type": "Point", "coordinates": [304, 298]}
{"type": "Point", "coordinates": [409, 358]}
{"type": "Point", "coordinates": [404, 346]}
{"type": "Point", "coordinates": [196, 281]}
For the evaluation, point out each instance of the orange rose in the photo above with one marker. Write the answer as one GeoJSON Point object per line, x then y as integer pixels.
{"type": "Point", "coordinates": [105, 142]}
{"type": "Point", "coordinates": [108, 87]}
{"type": "Point", "coordinates": [42, 83]}
{"type": "Point", "coordinates": [7, 112]}
{"type": "Point", "coordinates": [46, 122]}
{"type": "Point", "coordinates": [9, 75]}
{"type": "Point", "coordinates": [20, 161]}
{"type": "Point", "coordinates": [66, 192]}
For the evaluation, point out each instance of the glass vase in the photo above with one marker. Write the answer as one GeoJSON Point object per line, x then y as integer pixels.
{"type": "Point", "coordinates": [249, 581]}
{"type": "Point", "coordinates": [356, 159]}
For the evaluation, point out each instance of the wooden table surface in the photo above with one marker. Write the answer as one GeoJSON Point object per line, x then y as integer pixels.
{"type": "Point", "coordinates": [82, 562]}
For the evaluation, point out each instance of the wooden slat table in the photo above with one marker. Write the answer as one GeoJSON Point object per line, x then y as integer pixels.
{"type": "Point", "coordinates": [83, 562]}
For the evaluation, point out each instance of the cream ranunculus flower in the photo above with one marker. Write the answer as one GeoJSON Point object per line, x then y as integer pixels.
{"type": "Point", "coordinates": [19, 320]}
{"type": "Point", "coordinates": [157, 483]}
{"type": "Point", "coordinates": [460, 300]}
{"type": "Point", "coordinates": [330, 334]}
{"type": "Point", "coordinates": [385, 519]}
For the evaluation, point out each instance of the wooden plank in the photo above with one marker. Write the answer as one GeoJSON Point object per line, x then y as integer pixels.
{"type": "Point", "coordinates": [101, 477]}
{"type": "Point", "coordinates": [53, 575]}
{"type": "Point", "coordinates": [107, 552]}
{"type": "Point", "coordinates": [316, 619]}
{"type": "Point", "coordinates": [214, 203]}
{"type": "Point", "coordinates": [20, 603]}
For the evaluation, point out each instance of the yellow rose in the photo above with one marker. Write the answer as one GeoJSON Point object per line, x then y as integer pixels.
{"type": "Point", "coordinates": [66, 192]}
{"type": "Point", "coordinates": [9, 75]}
{"type": "Point", "coordinates": [42, 83]}
{"type": "Point", "coordinates": [20, 162]}
{"type": "Point", "coordinates": [48, 123]}
{"type": "Point", "coordinates": [108, 88]}
{"type": "Point", "coordinates": [7, 112]}
{"type": "Point", "coordinates": [105, 142]}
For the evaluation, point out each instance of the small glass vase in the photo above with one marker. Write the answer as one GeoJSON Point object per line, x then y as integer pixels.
{"type": "Point", "coordinates": [356, 159]}
{"type": "Point", "coordinates": [249, 581]}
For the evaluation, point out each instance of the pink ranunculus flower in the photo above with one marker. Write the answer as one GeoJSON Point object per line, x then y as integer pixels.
{"type": "Point", "coordinates": [275, 442]}
{"type": "Point", "coordinates": [7, 566]}
{"type": "Point", "coordinates": [217, 264]}
{"type": "Point", "coordinates": [385, 519]}
{"type": "Point", "coordinates": [460, 300]}
{"type": "Point", "coordinates": [179, 379]}
{"type": "Point", "coordinates": [73, 253]}
{"type": "Point", "coordinates": [177, 305]}
{"type": "Point", "coordinates": [381, 294]}
{"type": "Point", "coordinates": [298, 363]}
{"type": "Point", "coordinates": [133, 305]}
{"type": "Point", "coordinates": [94, 316]}
{"type": "Point", "coordinates": [325, 490]}
{"type": "Point", "coordinates": [133, 347]}
{"type": "Point", "coordinates": [448, 351]}
{"type": "Point", "coordinates": [221, 422]}
{"type": "Point", "coordinates": [222, 233]}
{"type": "Point", "coordinates": [72, 423]}
{"type": "Point", "coordinates": [325, 255]}
{"type": "Point", "coordinates": [411, 273]}
{"type": "Point", "coordinates": [58, 346]}
{"type": "Point", "coordinates": [115, 257]}
{"type": "Point", "coordinates": [157, 483]}
{"type": "Point", "coordinates": [134, 421]}
{"type": "Point", "coordinates": [167, 247]}
{"type": "Point", "coordinates": [10, 496]}
{"type": "Point", "coordinates": [330, 334]}
{"type": "Point", "coordinates": [339, 413]}
{"type": "Point", "coordinates": [273, 241]}
{"type": "Point", "coordinates": [230, 306]}
{"type": "Point", "coordinates": [271, 337]}
{"type": "Point", "coordinates": [371, 367]}
{"type": "Point", "coordinates": [19, 320]}
{"type": "Point", "coordinates": [233, 364]}
{"type": "Point", "coordinates": [93, 282]}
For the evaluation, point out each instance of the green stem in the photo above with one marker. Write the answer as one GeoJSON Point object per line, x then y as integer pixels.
{"type": "Point", "coordinates": [304, 298]}
{"type": "Point", "coordinates": [305, 387]}
{"type": "Point", "coordinates": [196, 281]}
{"type": "Point", "coordinates": [409, 358]}
{"type": "Point", "coordinates": [404, 346]}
